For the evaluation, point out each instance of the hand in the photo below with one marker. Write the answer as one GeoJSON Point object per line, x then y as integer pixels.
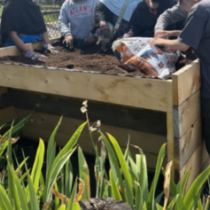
{"type": "Point", "coordinates": [52, 50]}
{"type": "Point", "coordinates": [162, 34]}
{"type": "Point", "coordinates": [102, 24]}
{"type": "Point", "coordinates": [90, 40]}
{"type": "Point", "coordinates": [156, 41]}
{"type": "Point", "coordinates": [69, 41]}
{"type": "Point", "coordinates": [126, 35]}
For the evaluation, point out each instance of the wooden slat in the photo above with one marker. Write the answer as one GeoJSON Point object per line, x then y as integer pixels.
{"type": "Point", "coordinates": [142, 120]}
{"type": "Point", "coordinates": [7, 114]}
{"type": "Point", "coordinates": [170, 141]}
{"type": "Point", "coordinates": [186, 114]}
{"type": "Point", "coordinates": [187, 144]}
{"type": "Point", "coordinates": [194, 164]}
{"type": "Point", "coordinates": [35, 133]}
{"type": "Point", "coordinates": [135, 92]}
{"type": "Point", "coordinates": [186, 81]}
{"type": "Point", "coordinates": [3, 90]}
{"type": "Point", "coordinates": [14, 51]}
{"type": "Point", "coordinates": [69, 125]}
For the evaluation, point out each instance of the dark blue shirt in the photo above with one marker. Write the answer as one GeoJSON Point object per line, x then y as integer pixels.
{"type": "Point", "coordinates": [196, 34]}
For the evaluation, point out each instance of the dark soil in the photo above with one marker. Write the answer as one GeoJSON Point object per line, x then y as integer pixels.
{"type": "Point", "coordinates": [87, 59]}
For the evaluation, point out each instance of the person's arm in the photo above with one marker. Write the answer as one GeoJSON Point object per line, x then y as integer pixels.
{"type": "Point", "coordinates": [63, 21]}
{"type": "Point", "coordinates": [17, 41]}
{"type": "Point", "coordinates": [190, 36]}
{"type": "Point", "coordinates": [166, 34]}
{"type": "Point", "coordinates": [170, 16]}
{"type": "Point", "coordinates": [64, 26]}
{"type": "Point", "coordinates": [170, 44]}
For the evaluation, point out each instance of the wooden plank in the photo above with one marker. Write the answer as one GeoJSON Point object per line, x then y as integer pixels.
{"type": "Point", "coordinates": [69, 125]}
{"type": "Point", "coordinates": [3, 90]}
{"type": "Point", "coordinates": [7, 114]}
{"type": "Point", "coordinates": [35, 133]}
{"type": "Point", "coordinates": [186, 114]}
{"type": "Point", "coordinates": [187, 144]}
{"type": "Point", "coordinates": [5, 101]}
{"type": "Point", "coordinates": [143, 120]}
{"type": "Point", "coordinates": [135, 92]}
{"type": "Point", "coordinates": [14, 51]}
{"type": "Point", "coordinates": [170, 141]}
{"type": "Point", "coordinates": [194, 164]}
{"type": "Point", "coordinates": [186, 81]}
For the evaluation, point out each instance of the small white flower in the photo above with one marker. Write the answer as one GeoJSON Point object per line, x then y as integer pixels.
{"type": "Point", "coordinates": [83, 109]}
{"type": "Point", "coordinates": [98, 124]}
{"type": "Point", "coordinates": [85, 103]}
{"type": "Point", "coordinates": [91, 129]}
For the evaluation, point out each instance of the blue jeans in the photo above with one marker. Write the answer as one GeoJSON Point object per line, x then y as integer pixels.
{"type": "Point", "coordinates": [25, 39]}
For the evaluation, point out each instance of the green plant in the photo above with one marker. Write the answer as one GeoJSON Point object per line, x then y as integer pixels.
{"type": "Point", "coordinates": [26, 197]}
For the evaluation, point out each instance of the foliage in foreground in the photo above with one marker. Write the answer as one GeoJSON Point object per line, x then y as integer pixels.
{"type": "Point", "coordinates": [126, 180]}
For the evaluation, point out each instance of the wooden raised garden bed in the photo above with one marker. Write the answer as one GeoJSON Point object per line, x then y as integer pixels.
{"type": "Point", "coordinates": [150, 111]}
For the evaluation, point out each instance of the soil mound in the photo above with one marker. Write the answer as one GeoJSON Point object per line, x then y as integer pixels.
{"type": "Point", "coordinates": [87, 59]}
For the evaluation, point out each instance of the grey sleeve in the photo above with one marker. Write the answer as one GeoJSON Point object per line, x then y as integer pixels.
{"type": "Point", "coordinates": [63, 22]}
{"type": "Point", "coordinates": [170, 16]}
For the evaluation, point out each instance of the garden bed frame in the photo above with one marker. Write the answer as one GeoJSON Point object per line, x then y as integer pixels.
{"type": "Point", "coordinates": [178, 98]}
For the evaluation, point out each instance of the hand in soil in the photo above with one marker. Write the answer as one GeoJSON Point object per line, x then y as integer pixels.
{"type": "Point", "coordinates": [52, 50]}
{"type": "Point", "coordinates": [69, 41]}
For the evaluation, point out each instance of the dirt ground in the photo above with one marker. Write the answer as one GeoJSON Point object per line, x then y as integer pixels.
{"type": "Point", "coordinates": [88, 59]}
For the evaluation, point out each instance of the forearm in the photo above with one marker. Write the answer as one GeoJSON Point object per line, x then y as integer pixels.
{"type": "Point", "coordinates": [163, 21]}
{"type": "Point", "coordinates": [172, 44]}
{"type": "Point", "coordinates": [64, 24]}
{"type": "Point", "coordinates": [46, 38]}
{"type": "Point", "coordinates": [174, 33]}
{"type": "Point", "coordinates": [18, 42]}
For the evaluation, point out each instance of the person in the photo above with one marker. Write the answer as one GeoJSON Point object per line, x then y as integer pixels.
{"type": "Point", "coordinates": [107, 13]}
{"type": "Point", "coordinates": [22, 22]}
{"type": "Point", "coordinates": [145, 16]}
{"type": "Point", "coordinates": [196, 35]}
{"type": "Point", "coordinates": [76, 22]}
{"type": "Point", "coordinates": [175, 15]}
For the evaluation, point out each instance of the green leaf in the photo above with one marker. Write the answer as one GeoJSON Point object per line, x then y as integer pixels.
{"type": "Point", "coordinates": [73, 194]}
{"type": "Point", "coordinates": [114, 164]}
{"type": "Point", "coordinates": [115, 190]}
{"type": "Point", "coordinates": [37, 166]}
{"type": "Point", "coordinates": [207, 203]}
{"type": "Point", "coordinates": [143, 177]}
{"type": "Point", "coordinates": [60, 161]}
{"type": "Point", "coordinates": [57, 201]}
{"type": "Point", "coordinates": [138, 197]}
{"type": "Point", "coordinates": [34, 204]}
{"type": "Point", "coordinates": [195, 188]}
{"type": "Point", "coordinates": [172, 203]}
{"type": "Point", "coordinates": [199, 205]}
{"type": "Point", "coordinates": [84, 174]}
{"type": "Point", "coordinates": [5, 203]}
{"type": "Point", "coordinates": [51, 148]}
{"type": "Point", "coordinates": [62, 207]}
{"type": "Point", "coordinates": [161, 155]}
{"type": "Point", "coordinates": [125, 170]}
{"type": "Point", "coordinates": [18, 193]}
{"type": "Point", "coordinates": [159, 207]}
